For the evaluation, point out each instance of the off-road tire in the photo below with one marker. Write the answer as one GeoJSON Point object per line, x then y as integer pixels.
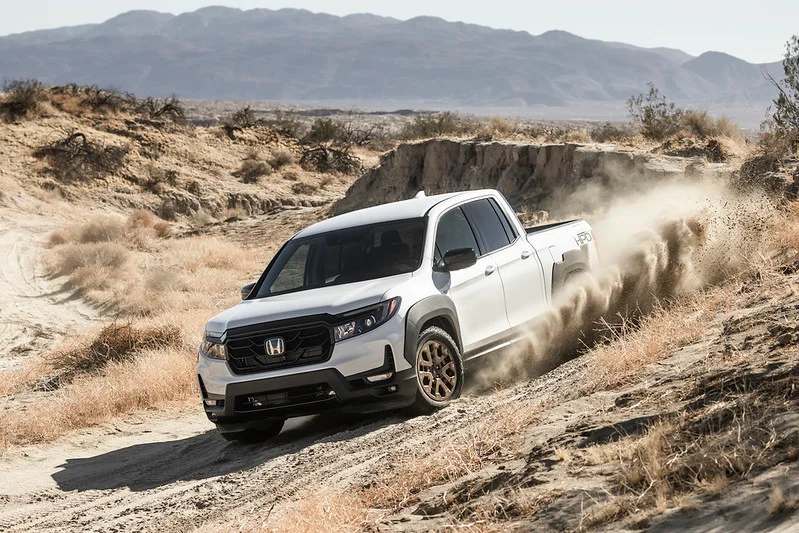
{"type": "Point", "coordinates": [439, 370]}
{"type": "Point", "coordinates": [261, 433]}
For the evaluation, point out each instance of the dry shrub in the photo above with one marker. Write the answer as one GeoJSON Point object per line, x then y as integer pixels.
{"type": "Point", "coordinates": [22, 99]}
{"type": "Point", "coordinates": [612, 133]}
{"type": "Point", "coordinates": [304, 187]}
{"type": "Point", "coordinates": [700, 124]}
{"type": "Point", "coordinates": [281, 157]}
{"type": "Point", "coordinates": [154, 378]}
{"type": "Point", "coordinates": [72, 258]}
{"type": "Point", "coordinates": [252, 168]}
{"type": "Point", "coordinates": [290, 174]}
{"type": "Point", "coordinates": [159, 178]}
{"type": "Point", "coordinates": [578, 136]}
{"type": "Point", "coordinates": [75, 158]}
{"type": "Point", "coordinates": [114, 342]}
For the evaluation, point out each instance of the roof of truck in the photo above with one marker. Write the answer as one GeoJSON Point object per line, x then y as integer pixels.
{"type": "Point", "coordinates": [405, 209]}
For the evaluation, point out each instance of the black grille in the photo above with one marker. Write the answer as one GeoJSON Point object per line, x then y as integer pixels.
{"type": "Point", "coordinates": [297, 396]}
{"type": "Point", "coordinates": [304, 344]}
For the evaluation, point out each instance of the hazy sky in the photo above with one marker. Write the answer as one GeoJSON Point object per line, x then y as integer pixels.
{"type": "Point", "coordinates": [753, 30]}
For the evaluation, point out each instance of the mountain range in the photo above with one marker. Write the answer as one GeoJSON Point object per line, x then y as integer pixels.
{"type": "Point", "coordinates": [299, 56]}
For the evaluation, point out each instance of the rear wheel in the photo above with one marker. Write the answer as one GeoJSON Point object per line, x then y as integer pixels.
{"type": "Point", "coordinates": [259, 433]}
{"type": "Point", "coordinates": [439, 370]}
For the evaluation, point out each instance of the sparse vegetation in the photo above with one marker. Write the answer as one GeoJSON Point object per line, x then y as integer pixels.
{"type": "Point", "coordinates": [434, 125]}
{"type": "Point", "coordinates": [75, 158]}
{"type": "Point", "coordinates": [786, 105]}
{"type": "Point", "coordinates": [659, 118]}
{"type": "Point", "coordinates": [21, 99]}
{"type": "Point", "coordinates": [281, 157]}
{"type": "Point", "coordinates": [252, 168]}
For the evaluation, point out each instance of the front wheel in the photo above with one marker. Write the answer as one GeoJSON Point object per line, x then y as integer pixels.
{"type": "Point", "coordinates": [259, 433]}
{"type": "Point", "coordinates": [439, 370]}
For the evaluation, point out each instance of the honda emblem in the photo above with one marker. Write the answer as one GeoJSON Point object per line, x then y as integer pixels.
{"type": "Point", "coordinates": [275, 346]}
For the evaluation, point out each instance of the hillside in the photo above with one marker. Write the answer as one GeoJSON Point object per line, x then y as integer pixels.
{"type": "Point", "coordinates": [296, 55]}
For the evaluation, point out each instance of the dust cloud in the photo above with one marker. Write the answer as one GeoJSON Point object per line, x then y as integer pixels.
{"type": "Point", "coordinates": [657, 241]}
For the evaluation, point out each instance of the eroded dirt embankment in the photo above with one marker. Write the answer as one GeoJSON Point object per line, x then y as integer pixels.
{"type": "Point", "coordinates": [530, 176]}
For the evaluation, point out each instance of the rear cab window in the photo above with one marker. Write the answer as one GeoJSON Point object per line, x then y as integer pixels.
{"type": "Point", "coordinates": [487, 225]}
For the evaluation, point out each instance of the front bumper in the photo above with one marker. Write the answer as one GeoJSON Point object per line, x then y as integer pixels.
{"type": "Point", "coordinates": [339, 383]}
{"type": "Point", "coordinates": [306, 394]}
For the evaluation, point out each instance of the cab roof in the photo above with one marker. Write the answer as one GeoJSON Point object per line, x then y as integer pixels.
{"type": "Point", "coordinates": [404, 209]}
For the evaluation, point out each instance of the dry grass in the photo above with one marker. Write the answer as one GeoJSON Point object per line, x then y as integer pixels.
{"type": "Point", "coordinates": [281, 157]}
{"type": "Point", "coordinates": [155, 378]}
{"type": "Point", "coordinates": [656, 336]}
{"type": "Point", "coordinates": [114, 342]}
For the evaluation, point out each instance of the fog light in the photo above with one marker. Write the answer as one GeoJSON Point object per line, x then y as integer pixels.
{"type": "Point", "coordinates": [392, 388]}
{"type": "Point", "coordinates": [213, 403]}
{"type": "Point", "coordinates": [379, 377]}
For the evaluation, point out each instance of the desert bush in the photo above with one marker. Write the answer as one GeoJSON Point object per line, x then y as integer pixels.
{"type": "Point", "coordinates": [74, 157]}
{"type": "Point", "coordinates": [160, 108]}
{"type": "Point", "coordinates": [700, 124]}
{"type": "Point", "coordinates": [159, 178]}
{"type": "Point", "coordinates": [281, 157]}
{"type": "Point", "coordinates": [239, 120]}
{"type": "Point", "coordinates": [609, 132]}
{"type": "Point", "coordinates": [114, 342]}
{"type": "Point", "coordinates": [22, 98]}
{"type": "Point", "coordinates": [433, 125]}
{"type": "Point", "coordinates": [658, 117]}
{"type": "Point", "coordinates": [103, 100]}
{"type": "Point", "coordinates": [786, 105]}
{"type": "Point", "coordinates": [290, 174]}
{"type": "Point", "coordinates": [70, 258]}
{"type": "Point", "coordinates": [324, 130]}
{"type": "Point", "coordinates": [328, 159]}
{"type": "Point", "coordinates": [253, 167]}
{"type": "Point", "coordinates": [303, 187]}
{"type": "Point", "coordinates": [287, 123]}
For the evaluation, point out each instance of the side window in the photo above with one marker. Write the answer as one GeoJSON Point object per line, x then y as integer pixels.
{"type": "Point", "coordinates": [509, 229]}
{"type": "Point", "coordinates": [454, 232]}
{"type": "Point", "coordinates": [487, 225]}
{"type": "Point", "coordinates": [293, 274]}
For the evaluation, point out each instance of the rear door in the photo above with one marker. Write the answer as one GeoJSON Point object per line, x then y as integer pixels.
{"type": "Point", "coordinates": [519, 268]}
{"type": "Point", "coordinates": [476, 290]}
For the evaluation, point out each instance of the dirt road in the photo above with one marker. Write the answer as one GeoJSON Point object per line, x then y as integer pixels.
{"type": "Point", "coordinates": [34, 311]}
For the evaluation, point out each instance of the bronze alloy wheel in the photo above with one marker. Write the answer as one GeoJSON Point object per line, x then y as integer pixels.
{"type": "Point", "coordinates": [436, 371]}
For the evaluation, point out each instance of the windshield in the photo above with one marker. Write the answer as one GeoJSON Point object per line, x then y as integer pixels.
{"type": "Point", "coordinates": [346, 256]}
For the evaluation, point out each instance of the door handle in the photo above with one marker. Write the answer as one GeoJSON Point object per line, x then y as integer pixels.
{"type": "Point", "coordinates": [526, 254]}
{"type": "Point", "coordinates": [490, 269]}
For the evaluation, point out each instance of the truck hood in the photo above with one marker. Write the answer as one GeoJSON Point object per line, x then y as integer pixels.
{"type": "Point", "coordinates": [331, 300]}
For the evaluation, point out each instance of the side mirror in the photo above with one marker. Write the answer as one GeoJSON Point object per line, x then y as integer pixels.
{"type": "Point", "coordinates": [457, 259]}
{"type": "Point", "coordinates": [246, 290]}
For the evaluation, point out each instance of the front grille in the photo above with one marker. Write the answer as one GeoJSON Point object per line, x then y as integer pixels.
{"type": "Point", "coordinates": [297, 396]}
{"type": "Point", "coordinates": [304, 344]}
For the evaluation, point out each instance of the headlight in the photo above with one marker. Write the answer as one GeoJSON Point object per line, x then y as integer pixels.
{"type": "Point", "coordinates": [367, 319]}
{"type": "Point", "coordinates": [213, 350]}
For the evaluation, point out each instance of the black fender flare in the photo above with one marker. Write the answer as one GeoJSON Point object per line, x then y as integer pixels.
{"type": "Point", "coordinates": [573, 261]}
{"type": "Point", "coordinates": [436, 306]}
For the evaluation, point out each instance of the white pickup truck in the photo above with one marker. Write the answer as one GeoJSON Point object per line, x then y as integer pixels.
{"type": "Point", "coordinates": [383, 308]}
